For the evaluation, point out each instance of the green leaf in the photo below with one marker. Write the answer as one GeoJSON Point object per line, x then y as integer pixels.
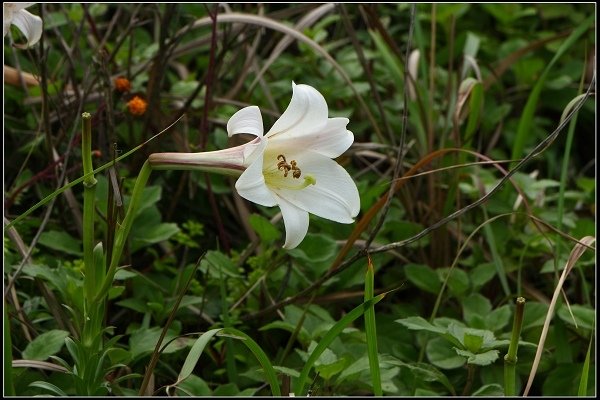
{"type": "Point", "coordinates": [429, 373]}
{"type": "Point", "coordinates": [194, 355]}
{"type": "Point", "coordinates": [584, 316]}
{"type": "Point", "coordinates": [458, 281]}
{"type": "Point", "coordinates": [491, 390]}
{"type": "Point", "coordinates": [472, 342]}
{"type": "Point", "coordinates": [441, 354]}
{"type": "Point", "coordinates": [423, 277]}
{"type": "Point", "coordinates": [561, 380]}
{"type": "Point", "coordinates": [150, 196]}
{"type": "Point", "coordinates": [61, 241]}
{"type": "Point", "coordinates": [482, 274]}
{"type": "Point", "coordinates": [45, 345]}
{"type": "Point", "coordinates": [534, 315]}
{"type": "Point", "coordinates": [475, 308]}
{"type": "Point", "coordinates": [143, 341]}
{"type": "Point", "coordinates": [480, 358]}
{"type": "Point", "coordinates": [303, 335]}
{"type": "Point", "coordinates": [154, 234]}
{"type": "Point", "coordinates": [420, 324]}
{"type": "Point", "coordinates": [267, 232]}
{"type": "Point", "coordinates": [195, 386]}
{"type": "Point", "coordinates": [498, 319]}
{"type": "Point", "coordinates": [218, 265]}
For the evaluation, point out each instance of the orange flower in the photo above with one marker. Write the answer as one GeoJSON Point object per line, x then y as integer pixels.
{"type": "Point", "coordinates": [122, 84]}
{"type": "Point", "coordinates": [137, 105]}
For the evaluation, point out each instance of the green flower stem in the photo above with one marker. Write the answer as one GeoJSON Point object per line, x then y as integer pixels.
{"type": "Point", "coordinates": [89, 197]}
{"type": "Point", "coordinates": [123, 230]}
{"type": "Point", "coordinates": [510, 359]}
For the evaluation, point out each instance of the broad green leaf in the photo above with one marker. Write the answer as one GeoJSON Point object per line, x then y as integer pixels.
{"type": "Point", "coordinates": [482, 274]}
{"type": "Point", "coordinates": [563, 380]}
{"type": "Point", "coordinates": [490, 390]}
{"type": "Point", "coordinates": [154, 234]}
{"type": "Point", "coordinates": [458, 281]}
{"type": "Point", "coordinates": [441, 354]}
{"type": "Point", "coordinates": [534, 315]}
{"type": "Point", "coordinates": [475, 308]}
{"type": "Point", "coordinates": [218, 265]}
{"type": "Point", "coordinates": [498, 319]}
{"type": "Point", "coordinates": [195, 386]}
{"type": "Point", "coordinates": [420, 324]}
{"type": "Point", "coordinates": [61, 241]}
{"type": "Point", "coordinates": [288, 371]}
{"type": "Point", "coordinates": [423, 277]}
{"type": "Point", "coordinates": [267, 232]}
{"type": "Point", "coordinates": [482, 359]}
{"type": "Point", "coordinates": [303, 335]}
{"type": "Point", "coordinates": [584, 316]}
{"type": "Point", "coordinates": [45, 345]}
{"type": "Point", "coordinates": [143, 341]}
{"type": "Point", "coordinates": [472, 342]}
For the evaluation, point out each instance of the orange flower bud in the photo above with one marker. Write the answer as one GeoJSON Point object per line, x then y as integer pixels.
{"type": "Point", "coordinates": [137, 105]}
{"type": "Point", "coordinates": [122, 84]}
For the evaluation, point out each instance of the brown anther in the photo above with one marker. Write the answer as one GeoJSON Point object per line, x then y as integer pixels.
{"type": "Point", "coordinates": [296, 171]}
{"type": "Point", "coordinates": [283, 165]}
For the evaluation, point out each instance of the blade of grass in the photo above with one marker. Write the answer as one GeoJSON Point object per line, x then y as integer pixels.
{"type": "Point", "coordinates": [371, 331]}
{"type": "Point", "coordinates": [525, 122]}
{"type": "Point", "coordinates": [329, 337]}
{"type": "Point", "coordinates": [583, 382]}
{"type": "Point", "coordinates": [260, 355]}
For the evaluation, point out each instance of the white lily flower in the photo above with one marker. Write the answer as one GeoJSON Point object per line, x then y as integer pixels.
{"type": "Point", "coordinates": [290, 167]}
{"type": "Point", "coordinates": [31, 25]}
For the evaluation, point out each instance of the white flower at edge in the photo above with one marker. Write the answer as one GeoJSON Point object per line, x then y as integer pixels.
{"type": "Point", "coordinates": [292, 164]}
{"type": "Point", "coordinates": [290, 167]}
{"type": "Point", "coordinates": [30, 25]}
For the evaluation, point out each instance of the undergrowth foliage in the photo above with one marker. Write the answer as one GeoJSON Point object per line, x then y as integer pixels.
{"type": "Point", "coordinates": [469, 270]}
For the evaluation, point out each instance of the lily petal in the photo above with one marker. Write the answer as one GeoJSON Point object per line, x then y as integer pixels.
{"type": "Point", "coordinates": [306, 113]}
{"type": "Point", "coordinates": [29, 24]}
{"type": "Point", "coordinates": [296, 223]}
{"type": "Point", "coordinates": [334, 196]}
{"type": "Point", "coordinates": [332, 140]}
{"type": "Point", "coordinates": [251, 184]}
{"type": "Point", "coordinates": [247, 120]}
